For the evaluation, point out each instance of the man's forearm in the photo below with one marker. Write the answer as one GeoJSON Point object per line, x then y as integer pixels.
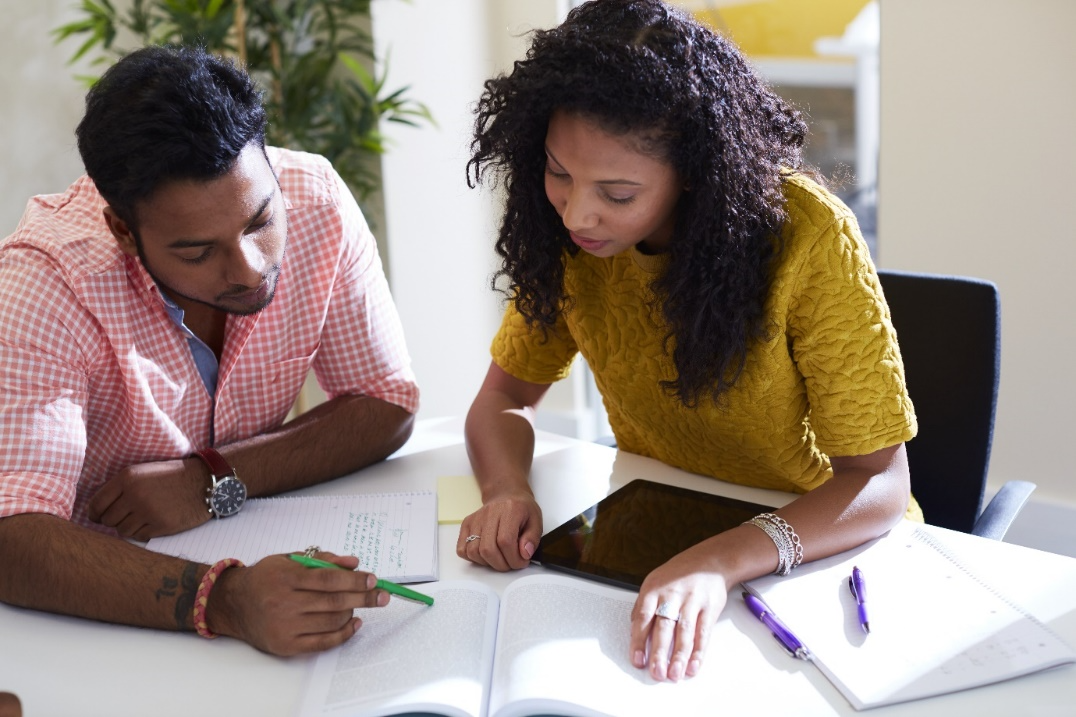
{"type": "Point", "coordinates": [53, 565]}
{"type": "Point", "coordinates": [333, 439]}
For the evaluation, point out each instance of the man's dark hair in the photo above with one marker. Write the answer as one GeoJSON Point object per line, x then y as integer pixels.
{"type": "Point", "coordinates": [162, 114]}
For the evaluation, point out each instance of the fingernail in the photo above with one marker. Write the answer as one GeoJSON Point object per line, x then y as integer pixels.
{"type": "Point", "coordinates": [371, 581]}
{"type": "Point", "coordinates": [693, 667]}
{"type": "Point", "coordinates": [675, 670]}
{"type": "Point", "coordinates": [382, 599]}
{"type": "Point", "coordinates": [638, 659]}
{"type": "Point", "coordinates": [355, 625]}
{"type": "Point", "coordinates": [528, 550]}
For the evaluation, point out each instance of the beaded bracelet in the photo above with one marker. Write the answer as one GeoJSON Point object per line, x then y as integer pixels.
{"type": "Point", "coordinates": [789, 548]}
{"type": "Point", "coordinates": [201, 598]}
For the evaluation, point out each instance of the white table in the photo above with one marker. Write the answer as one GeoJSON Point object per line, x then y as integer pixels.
{"type": "Point", "coordinates": [68, 666]}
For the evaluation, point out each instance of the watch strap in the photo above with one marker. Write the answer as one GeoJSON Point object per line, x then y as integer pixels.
{"type": "Point", "coordinates": [218, 466]}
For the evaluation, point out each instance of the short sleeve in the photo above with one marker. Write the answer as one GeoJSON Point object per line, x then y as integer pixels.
{"type": "Point", "coordinates": [44, 374]}
{"type": "Point", "coordinates": [845, 347]}
{"type": "Point", "coordinates": [530, 354]}
{"type": "Point", "coordinates": [363, 350]}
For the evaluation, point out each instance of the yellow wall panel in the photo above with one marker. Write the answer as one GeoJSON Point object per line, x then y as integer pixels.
{"type": "Point", "coordinates": [781, 28]}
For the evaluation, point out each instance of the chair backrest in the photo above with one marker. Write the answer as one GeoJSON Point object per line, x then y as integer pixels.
{"type": "Point", "coordinates": [949, 330]}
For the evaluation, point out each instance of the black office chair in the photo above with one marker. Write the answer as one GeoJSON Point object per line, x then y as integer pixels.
{"type": "Point", "coordinates": [949, 330]}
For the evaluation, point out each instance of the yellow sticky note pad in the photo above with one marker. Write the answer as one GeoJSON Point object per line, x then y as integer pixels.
{"type": "Point", "coordinates": [457, 497]}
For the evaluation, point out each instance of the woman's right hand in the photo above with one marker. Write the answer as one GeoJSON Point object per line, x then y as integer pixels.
{"type": "Point", "coordinates": [507, 527]}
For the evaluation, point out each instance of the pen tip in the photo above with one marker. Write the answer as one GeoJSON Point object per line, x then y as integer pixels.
{"type": "Point", "coordinates": [867, 627]}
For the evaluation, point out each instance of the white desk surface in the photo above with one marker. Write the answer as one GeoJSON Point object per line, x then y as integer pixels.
{"type": "Point", "coordinates": [67, 666]}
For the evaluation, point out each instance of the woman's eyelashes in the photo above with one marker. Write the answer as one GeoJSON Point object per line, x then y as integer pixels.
{"type": "Point", "coordinates": [564, 176]}
{"type": "Point", "coordinates": [554, 173]}
{"type": "Point", "coordinates": [620, 200]}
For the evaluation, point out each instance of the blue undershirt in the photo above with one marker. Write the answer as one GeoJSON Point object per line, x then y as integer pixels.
{"type": "Point", "coordinates": [203, 356]}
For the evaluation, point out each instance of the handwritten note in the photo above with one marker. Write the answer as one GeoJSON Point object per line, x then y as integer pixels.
{"type": "Point", "coordinates": [394, 535]}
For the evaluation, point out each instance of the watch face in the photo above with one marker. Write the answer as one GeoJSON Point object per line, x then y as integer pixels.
{"type": "Point", "coordinates": [228, 496]}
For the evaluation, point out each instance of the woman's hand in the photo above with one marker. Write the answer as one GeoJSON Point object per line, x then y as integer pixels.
{"type": "Point", "coordinates": [503, 534]}
{"type": "Point", "coordinates": [692, 587]}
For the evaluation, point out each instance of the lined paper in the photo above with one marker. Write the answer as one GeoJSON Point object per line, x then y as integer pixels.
{"type": "Point", "coordinates": [935, 626]}
{"type": "Point", "coordinates": [394, 535]}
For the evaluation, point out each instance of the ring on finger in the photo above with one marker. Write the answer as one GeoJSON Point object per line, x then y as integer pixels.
{"type": "Point", "coordinates": [665, 610]}
{"type": "Point", "coordinates": [309, 552]}
{"type": "Point", "coordinates": [472, 538]}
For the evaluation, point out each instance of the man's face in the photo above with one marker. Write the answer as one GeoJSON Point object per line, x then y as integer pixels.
{"type": "Point", "coordinates": [217, 243]}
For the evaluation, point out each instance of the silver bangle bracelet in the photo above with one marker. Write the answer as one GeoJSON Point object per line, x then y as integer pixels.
{"type": "Point", "coordinates": [784, 537]}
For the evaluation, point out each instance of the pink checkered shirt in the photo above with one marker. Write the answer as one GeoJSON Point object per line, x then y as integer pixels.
{"type": "Point", "coordinates": [95, 376]}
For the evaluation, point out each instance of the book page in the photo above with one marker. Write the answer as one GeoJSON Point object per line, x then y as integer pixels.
{"type": "Point", "coordinates": [408, 657]}
{"type": "Point", "coordinates": [562, 646]}
{"type": "Point", "coordinates": [935, 627]}
{"type": "Point", "coordinates": [394, 535]}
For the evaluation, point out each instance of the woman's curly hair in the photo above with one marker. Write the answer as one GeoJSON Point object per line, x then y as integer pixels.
{"type": "Point", "coordinates": [639, 67]}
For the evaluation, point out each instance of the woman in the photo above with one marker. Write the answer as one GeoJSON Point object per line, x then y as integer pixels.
{"type": "Point", "coordinates": [659, 219]}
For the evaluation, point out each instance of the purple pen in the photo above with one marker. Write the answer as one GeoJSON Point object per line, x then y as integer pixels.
{"type": "Point", "coordinates": [784, 636]}
{"type": "Point", "coordinates": [859, 591]}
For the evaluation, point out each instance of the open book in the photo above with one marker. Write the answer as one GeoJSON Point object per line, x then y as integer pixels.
{"type": "Point", "coordinates": [472, 655]}
{"type": "Point", "coordinates": [935, 627]}
{"type": "Point", "coordinates": [394, 535]}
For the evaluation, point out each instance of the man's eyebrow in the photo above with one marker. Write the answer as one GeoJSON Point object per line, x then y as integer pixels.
{"type": "Point", "coordinates": [621, 182]}
{"type": "Point", "coordinates": [189, 243]}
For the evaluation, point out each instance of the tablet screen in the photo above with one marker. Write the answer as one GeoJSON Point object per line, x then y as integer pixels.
{"type": "Point", "coordinates": [636, 528]}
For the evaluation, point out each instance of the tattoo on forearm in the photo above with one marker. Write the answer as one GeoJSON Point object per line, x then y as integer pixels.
{"type": "Point", "coordinates": [167, 588]}
{"type": "Point", "coordinates": [188, 588]}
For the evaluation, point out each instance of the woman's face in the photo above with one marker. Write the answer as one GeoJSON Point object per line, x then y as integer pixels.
{"type": "Point", "coordinates": [609, 194]}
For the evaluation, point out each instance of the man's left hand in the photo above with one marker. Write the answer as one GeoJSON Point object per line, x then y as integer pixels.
{"type": "Point", "coordinates": [152, 499]}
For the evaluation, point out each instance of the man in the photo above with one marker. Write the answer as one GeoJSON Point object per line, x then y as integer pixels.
{"type": "Point", "coordinates": [157, 321]}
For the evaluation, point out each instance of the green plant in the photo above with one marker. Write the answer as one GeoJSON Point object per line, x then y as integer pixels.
{"type": "Point", "coordinates": [309, 56]}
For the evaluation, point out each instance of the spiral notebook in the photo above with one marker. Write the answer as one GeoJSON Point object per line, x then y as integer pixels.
{"type": "Point", "coordinates": [935, 626]}
{"type": "Point", "coordinates": [394, 535]}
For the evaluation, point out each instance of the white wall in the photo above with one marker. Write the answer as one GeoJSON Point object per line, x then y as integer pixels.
{"type": "Point", "coordinates": [439, 232]}
{"type": "Point", "coordinates": [978, 139]}
{"type": "Point", "coordinates": [40, 105]}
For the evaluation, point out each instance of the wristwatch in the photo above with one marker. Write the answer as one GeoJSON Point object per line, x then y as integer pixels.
{"type": "Point", "coordinates": [226, 494]}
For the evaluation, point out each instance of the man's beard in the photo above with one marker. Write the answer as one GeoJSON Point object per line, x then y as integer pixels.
{"type": "Point", "coordinates": [271, 278]}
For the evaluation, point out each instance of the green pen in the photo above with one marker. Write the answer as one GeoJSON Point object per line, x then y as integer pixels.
{"type": "Point", "coordinates": [381, 584]}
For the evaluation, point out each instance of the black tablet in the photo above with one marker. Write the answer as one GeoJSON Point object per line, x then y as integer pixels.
{"type": "Point", "coordinates": [636, 528]}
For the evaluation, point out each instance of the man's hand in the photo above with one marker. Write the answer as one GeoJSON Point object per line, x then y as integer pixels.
{"type": "Point", "coordinates": [10, 706]}
{"type": "Point", "coordinates": [276, 605]}
{"type": "Point", "coordinates": [152, 499]}
{"type": "Point", "coordinates": [284, 608]}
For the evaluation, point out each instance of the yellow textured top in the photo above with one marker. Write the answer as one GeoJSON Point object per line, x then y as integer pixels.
{"type": "Point", "coordinates": [830, 380]}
